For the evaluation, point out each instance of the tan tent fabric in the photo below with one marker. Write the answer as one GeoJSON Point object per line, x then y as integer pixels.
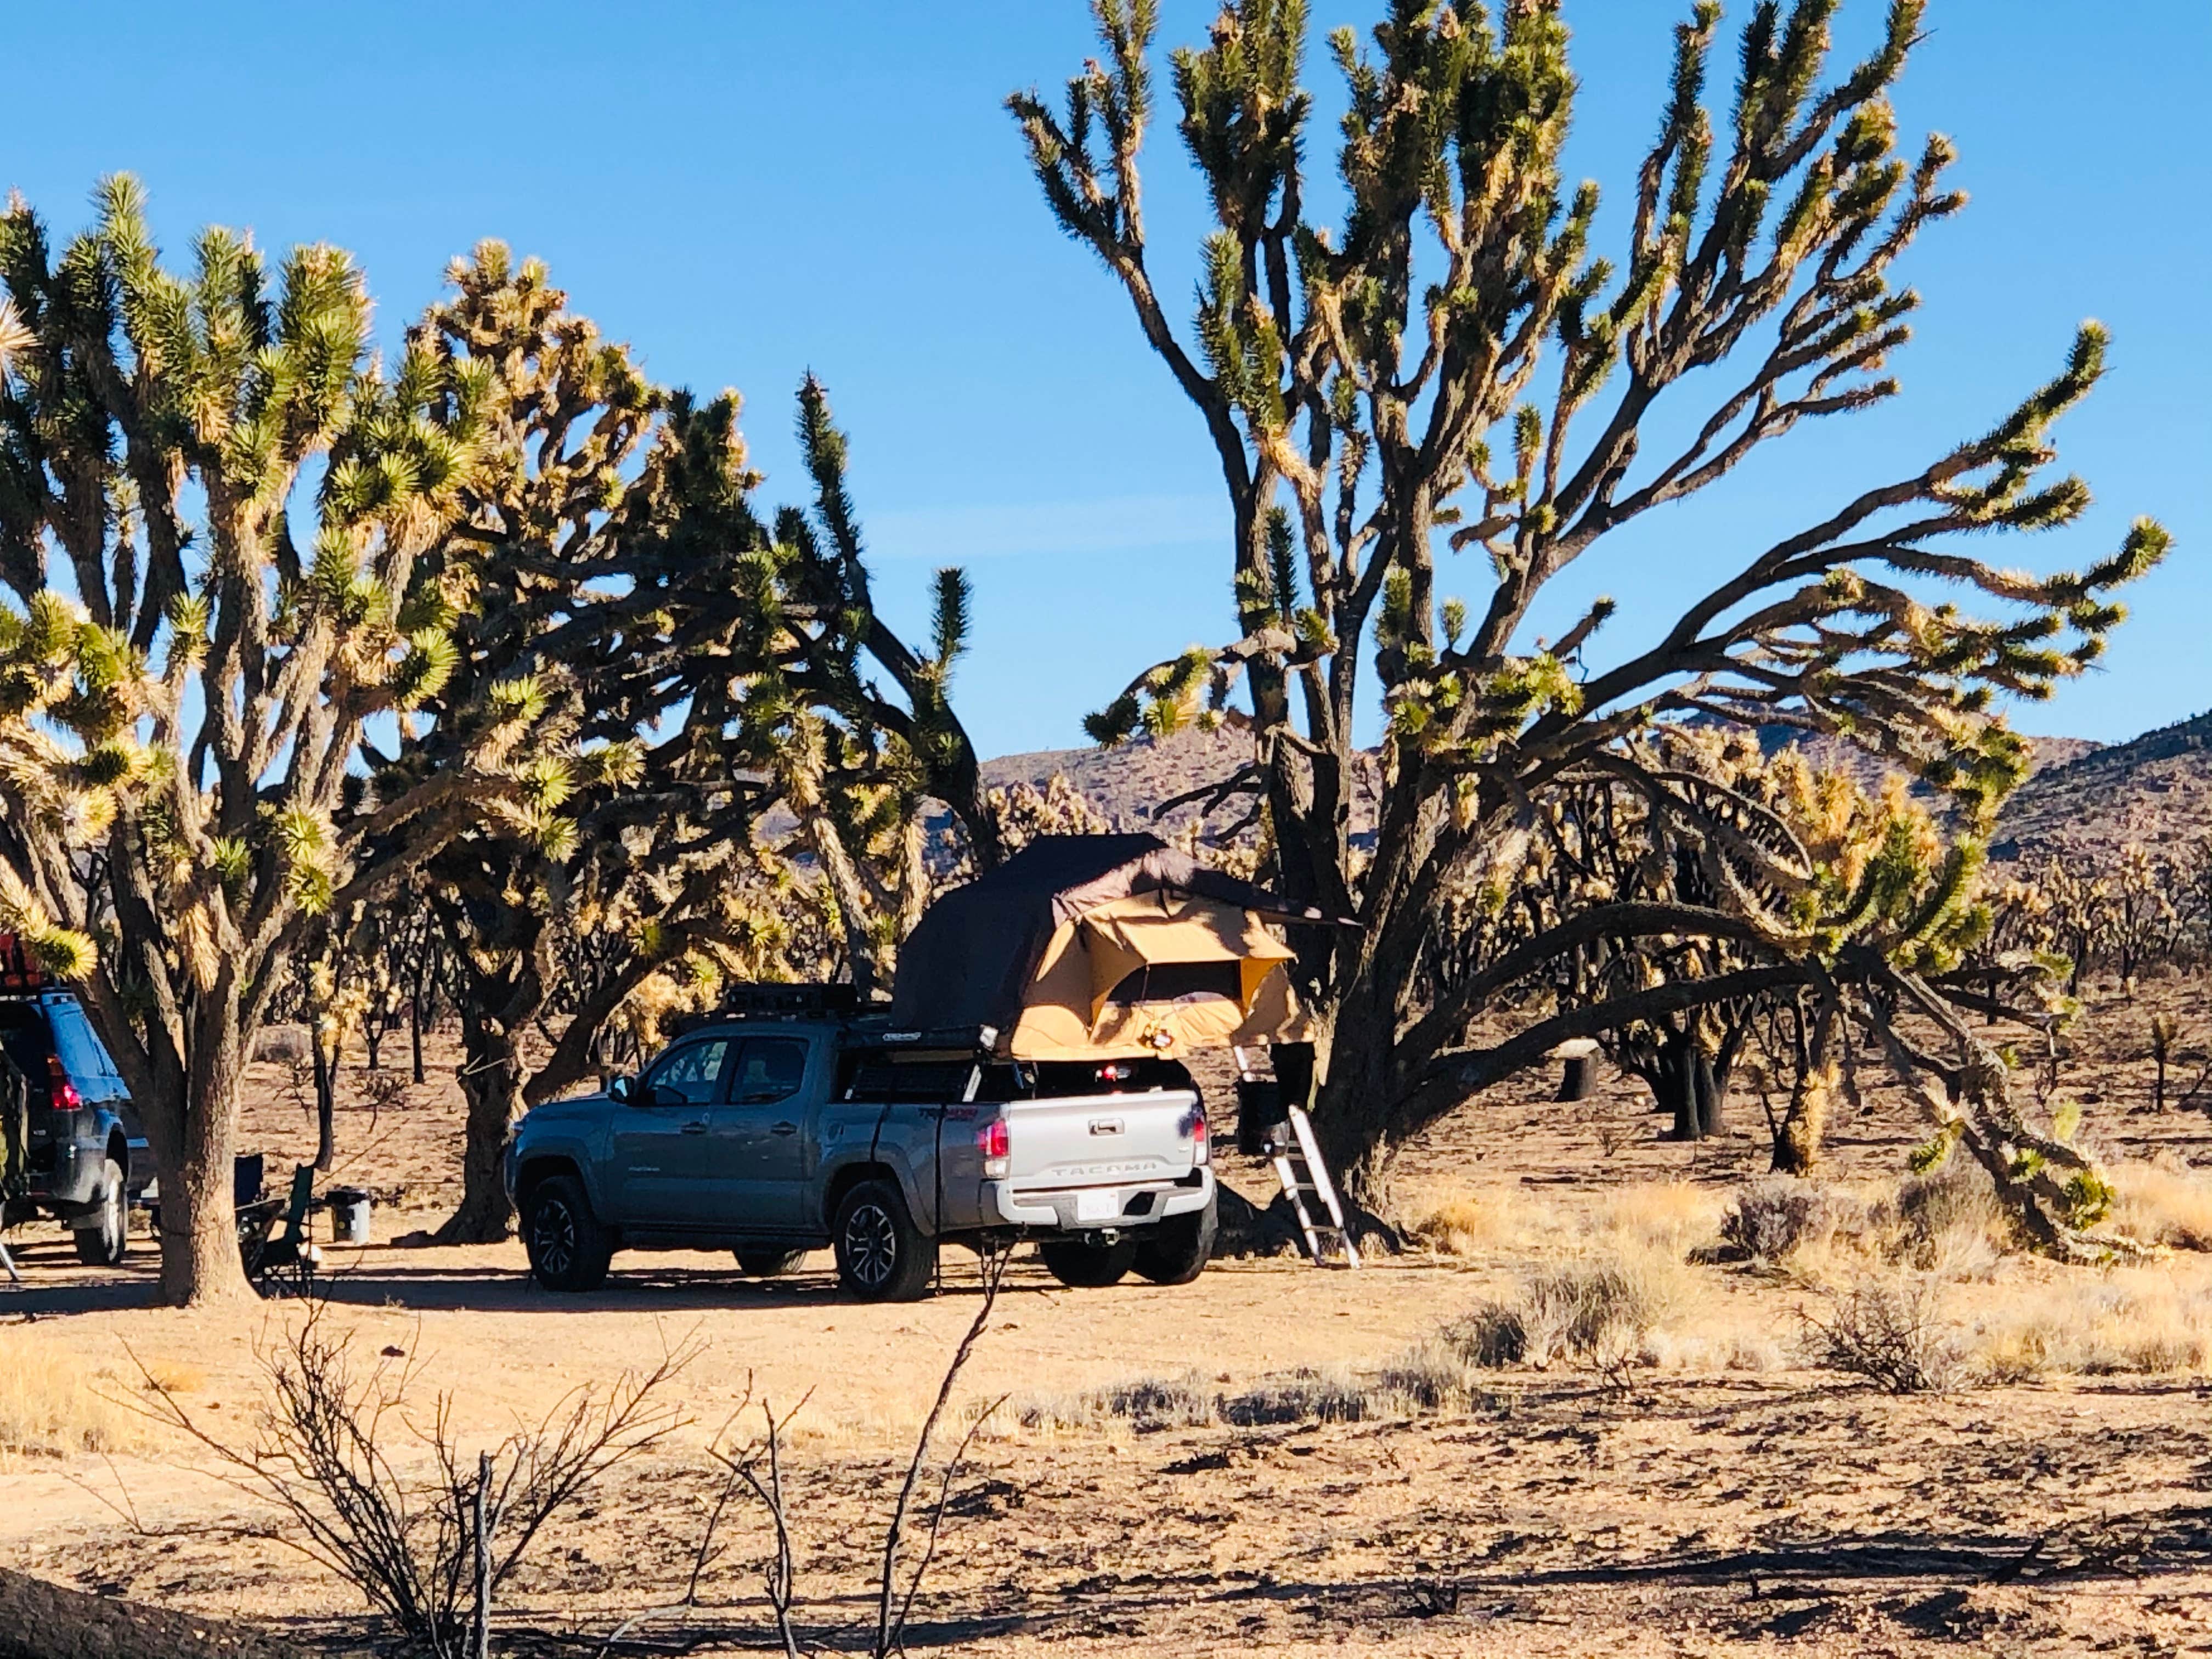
{"type": "Point", "coordinates": [1067, 1013]}
{"type": "Point", "coordinates": [1036, 947]}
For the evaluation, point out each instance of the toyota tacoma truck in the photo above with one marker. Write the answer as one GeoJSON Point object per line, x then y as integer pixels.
{"type": "Point", "coordinates": [784, 1128]}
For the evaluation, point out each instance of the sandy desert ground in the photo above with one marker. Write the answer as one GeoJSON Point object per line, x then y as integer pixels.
{"type": "Point", "coordinates": [1278, 1457]}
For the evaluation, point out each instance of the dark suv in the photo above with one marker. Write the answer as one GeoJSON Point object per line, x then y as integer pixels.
{"type": "Point", "coordinates": [85, 1153]}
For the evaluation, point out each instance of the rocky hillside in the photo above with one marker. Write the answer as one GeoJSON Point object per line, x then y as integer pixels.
{"type": "Point", "coordinates": [2155, 789]}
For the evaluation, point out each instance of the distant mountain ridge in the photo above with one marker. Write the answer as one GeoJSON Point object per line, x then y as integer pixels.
{"type": "Point", "coordinates": [2082, 795]}
{"type": "Point", "coordinates": [2155, 789]}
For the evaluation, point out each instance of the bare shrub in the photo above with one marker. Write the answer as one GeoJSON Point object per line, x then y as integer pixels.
{"type": "Point", "coordinates": [282, 1045]}
{"type": "Point", "coordinates": [1304, 1395]}
{"type": "Point", "coordinates": [1492, 1336]}
{"type": "Point", "coordinates": [429, 1552]}
{"type": "Point", "coordinates": [1889, 1334]}
{"type": "Point", "coordinates": [1771, 1220]}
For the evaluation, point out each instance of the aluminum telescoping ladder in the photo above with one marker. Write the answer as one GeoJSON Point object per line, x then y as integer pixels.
{"type": "Point", "coordinates": [1299, 1166]}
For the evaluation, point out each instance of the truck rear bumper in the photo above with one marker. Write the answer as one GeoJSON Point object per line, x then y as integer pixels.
{"type": "Point", "coordinates": [1086, 1209]}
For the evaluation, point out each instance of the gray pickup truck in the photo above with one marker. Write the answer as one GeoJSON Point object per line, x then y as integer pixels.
{"type": "Point", "coordinates": [771, 1135]}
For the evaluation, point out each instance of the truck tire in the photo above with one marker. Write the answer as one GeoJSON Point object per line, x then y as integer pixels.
{"type": "Point", "coordinates": [1176, 1251]}
{"type": "Point", "coordinates": [882, 1256]}
{"type": "Point", "coordinates": [1089, 1267]}
{"type": "Point", "coordinates": [768, 1264]}
{"type": "Point", "coordinates": [569, 1249]}
{"type": "Point", "coordinates": [103, 1245]}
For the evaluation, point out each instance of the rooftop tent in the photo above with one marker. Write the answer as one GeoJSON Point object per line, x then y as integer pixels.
{"type": "Point", "coordinates": [1104, 947]}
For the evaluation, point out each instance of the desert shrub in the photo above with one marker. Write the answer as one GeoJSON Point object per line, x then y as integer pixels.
{"type": "Point", "coordinates": [1494, 1335]}
{"type": "Point", "coordinates": [51, 1406]}
{"type": "Point", "coordinates": [1771, 1220]}
{"type": "Point", "coordinates": [1949, 1221]}
{"type": "Point", "coordinates": [1596, 1313]}
{"type": "Point", "coordinates": [1304, 1395]}
{"type": "Point", "coordinates": [1889, 1334]}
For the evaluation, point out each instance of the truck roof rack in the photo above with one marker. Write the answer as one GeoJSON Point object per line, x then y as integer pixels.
{"type": "Point", "coordinates": [18, 972]}
{"type": "Point", "coordinates": [773, 1001]}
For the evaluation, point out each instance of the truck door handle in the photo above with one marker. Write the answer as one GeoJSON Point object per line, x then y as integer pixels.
{"type": "Point", "coordinates": [694, 1128]}
{"type": "Point", "coordinates": [785, 1129]}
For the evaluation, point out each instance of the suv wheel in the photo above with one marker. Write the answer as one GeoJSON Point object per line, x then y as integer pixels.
{"type": "Point", "coordinates": [1176, 1251]}
{"type": "Point", "coordinates": [882, 1256]}
{"type": "Point", "coordinates": [768, 1264]}
{"type": "Point", "coordinates": [569, 1249]}
{"type": "Point", "coordinates": [103, 1245]}
{"type": "Point", "coordinates": [1089, 1267]}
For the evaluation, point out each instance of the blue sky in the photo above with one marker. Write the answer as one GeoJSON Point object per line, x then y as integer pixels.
{"type": "Point", "coordinates": [746, 191]}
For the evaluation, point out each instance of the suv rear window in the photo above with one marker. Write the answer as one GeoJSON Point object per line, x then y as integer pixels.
{"type": "Point", "coordinates": [24, 1037]}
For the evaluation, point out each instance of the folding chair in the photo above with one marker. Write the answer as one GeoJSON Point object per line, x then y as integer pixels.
{"type": "Point", "coordinates": [286, 1261]}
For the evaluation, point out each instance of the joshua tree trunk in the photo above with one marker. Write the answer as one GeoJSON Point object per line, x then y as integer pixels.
{"type": "Point", "coordinates": [415, 1031]}
{"type": "Point", "coordinates": [326, 1136]}
{"type": "Point", "coordinates": [190, 1127]}
{"type": "Point", "coordinates": [1712, 1094]}
{"type": "Point", "coordinates": [491, 1080]}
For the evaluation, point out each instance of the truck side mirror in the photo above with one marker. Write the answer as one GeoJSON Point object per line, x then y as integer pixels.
{"type": "Point", "coordinates": [622, 1088]}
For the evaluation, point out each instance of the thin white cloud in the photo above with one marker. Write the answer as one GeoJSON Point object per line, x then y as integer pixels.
{"type": "Point", "coordinates": [953, 535]}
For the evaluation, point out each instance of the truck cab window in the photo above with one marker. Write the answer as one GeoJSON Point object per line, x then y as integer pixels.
{"type": "Point", "coordinates": [772, 1070]}
{"type": "Point", "coordinates": [695, 1071]}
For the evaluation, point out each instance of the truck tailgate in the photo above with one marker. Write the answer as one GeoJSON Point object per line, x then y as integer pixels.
{"type": "Point", "coordinates": [1101, 1141]}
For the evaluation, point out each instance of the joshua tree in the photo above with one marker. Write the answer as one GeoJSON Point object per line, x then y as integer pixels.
{"type": "Point", "coordinates": [1453, 369]}
{"type": "Point", "coordinates": [177, 710]}
{"type": "Point", "coordinates": [696, 666]}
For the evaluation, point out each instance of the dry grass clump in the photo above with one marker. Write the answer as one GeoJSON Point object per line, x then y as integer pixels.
{"type": "Point", "coordinates": [1662, 1218]}
{"type": "Point", "coordinates": [2159, 1205]}
{"type": "Point", "coordinates": [1890, 1333]}
{"type": "Point", "coordinates": [1597, 1313]}
{"type": "Point", "coordinates": [1461, 1225]}
{"type": "Point", "coordinates": [1303, 1395]}
{"type": "Point", "coordinates": [1146, 1404]}
{"type": "Point", "coordinates": [51, 1408]}
{"type": "Point", "coordinates": [2133, 1323]}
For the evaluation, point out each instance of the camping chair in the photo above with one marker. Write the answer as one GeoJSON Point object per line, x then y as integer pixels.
{"type": "Point", "coordinates": [286, 1258]}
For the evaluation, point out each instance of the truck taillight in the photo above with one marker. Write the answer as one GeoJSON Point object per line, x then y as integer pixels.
{"type": "Point", "coordinates": [992, 1141]}
{"type": "Point", "coordinates": [59, 1089]}
{"type": "Point", "coordinates": [1201, 1137]}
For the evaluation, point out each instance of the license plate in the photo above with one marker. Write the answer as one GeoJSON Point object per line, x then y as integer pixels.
{"type": "Point", "coordinates": [1097, 1206]}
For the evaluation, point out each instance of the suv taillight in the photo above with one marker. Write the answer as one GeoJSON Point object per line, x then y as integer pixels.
{"type": "Point", "coordinates": [59, 1089]}
{"type": "Point", "coordinates": [1201, 1149]}
{"type": "Point", "coordinates": [992, 1141]}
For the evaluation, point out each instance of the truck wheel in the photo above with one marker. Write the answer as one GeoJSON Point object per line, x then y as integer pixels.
{"type": "Point", "coordinates": [768, 1264]}
{"type": "Point", "coordinates": [1176, 1251]}
{"type": "Point", "coordinates": [882, 1255]}
{"type": "Point", "coordinates": [569, 1249]}
{"type": "Point", "coordinates": [103, 1246]}
{"type": "Point", "coordinates": [1089, 1267]}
